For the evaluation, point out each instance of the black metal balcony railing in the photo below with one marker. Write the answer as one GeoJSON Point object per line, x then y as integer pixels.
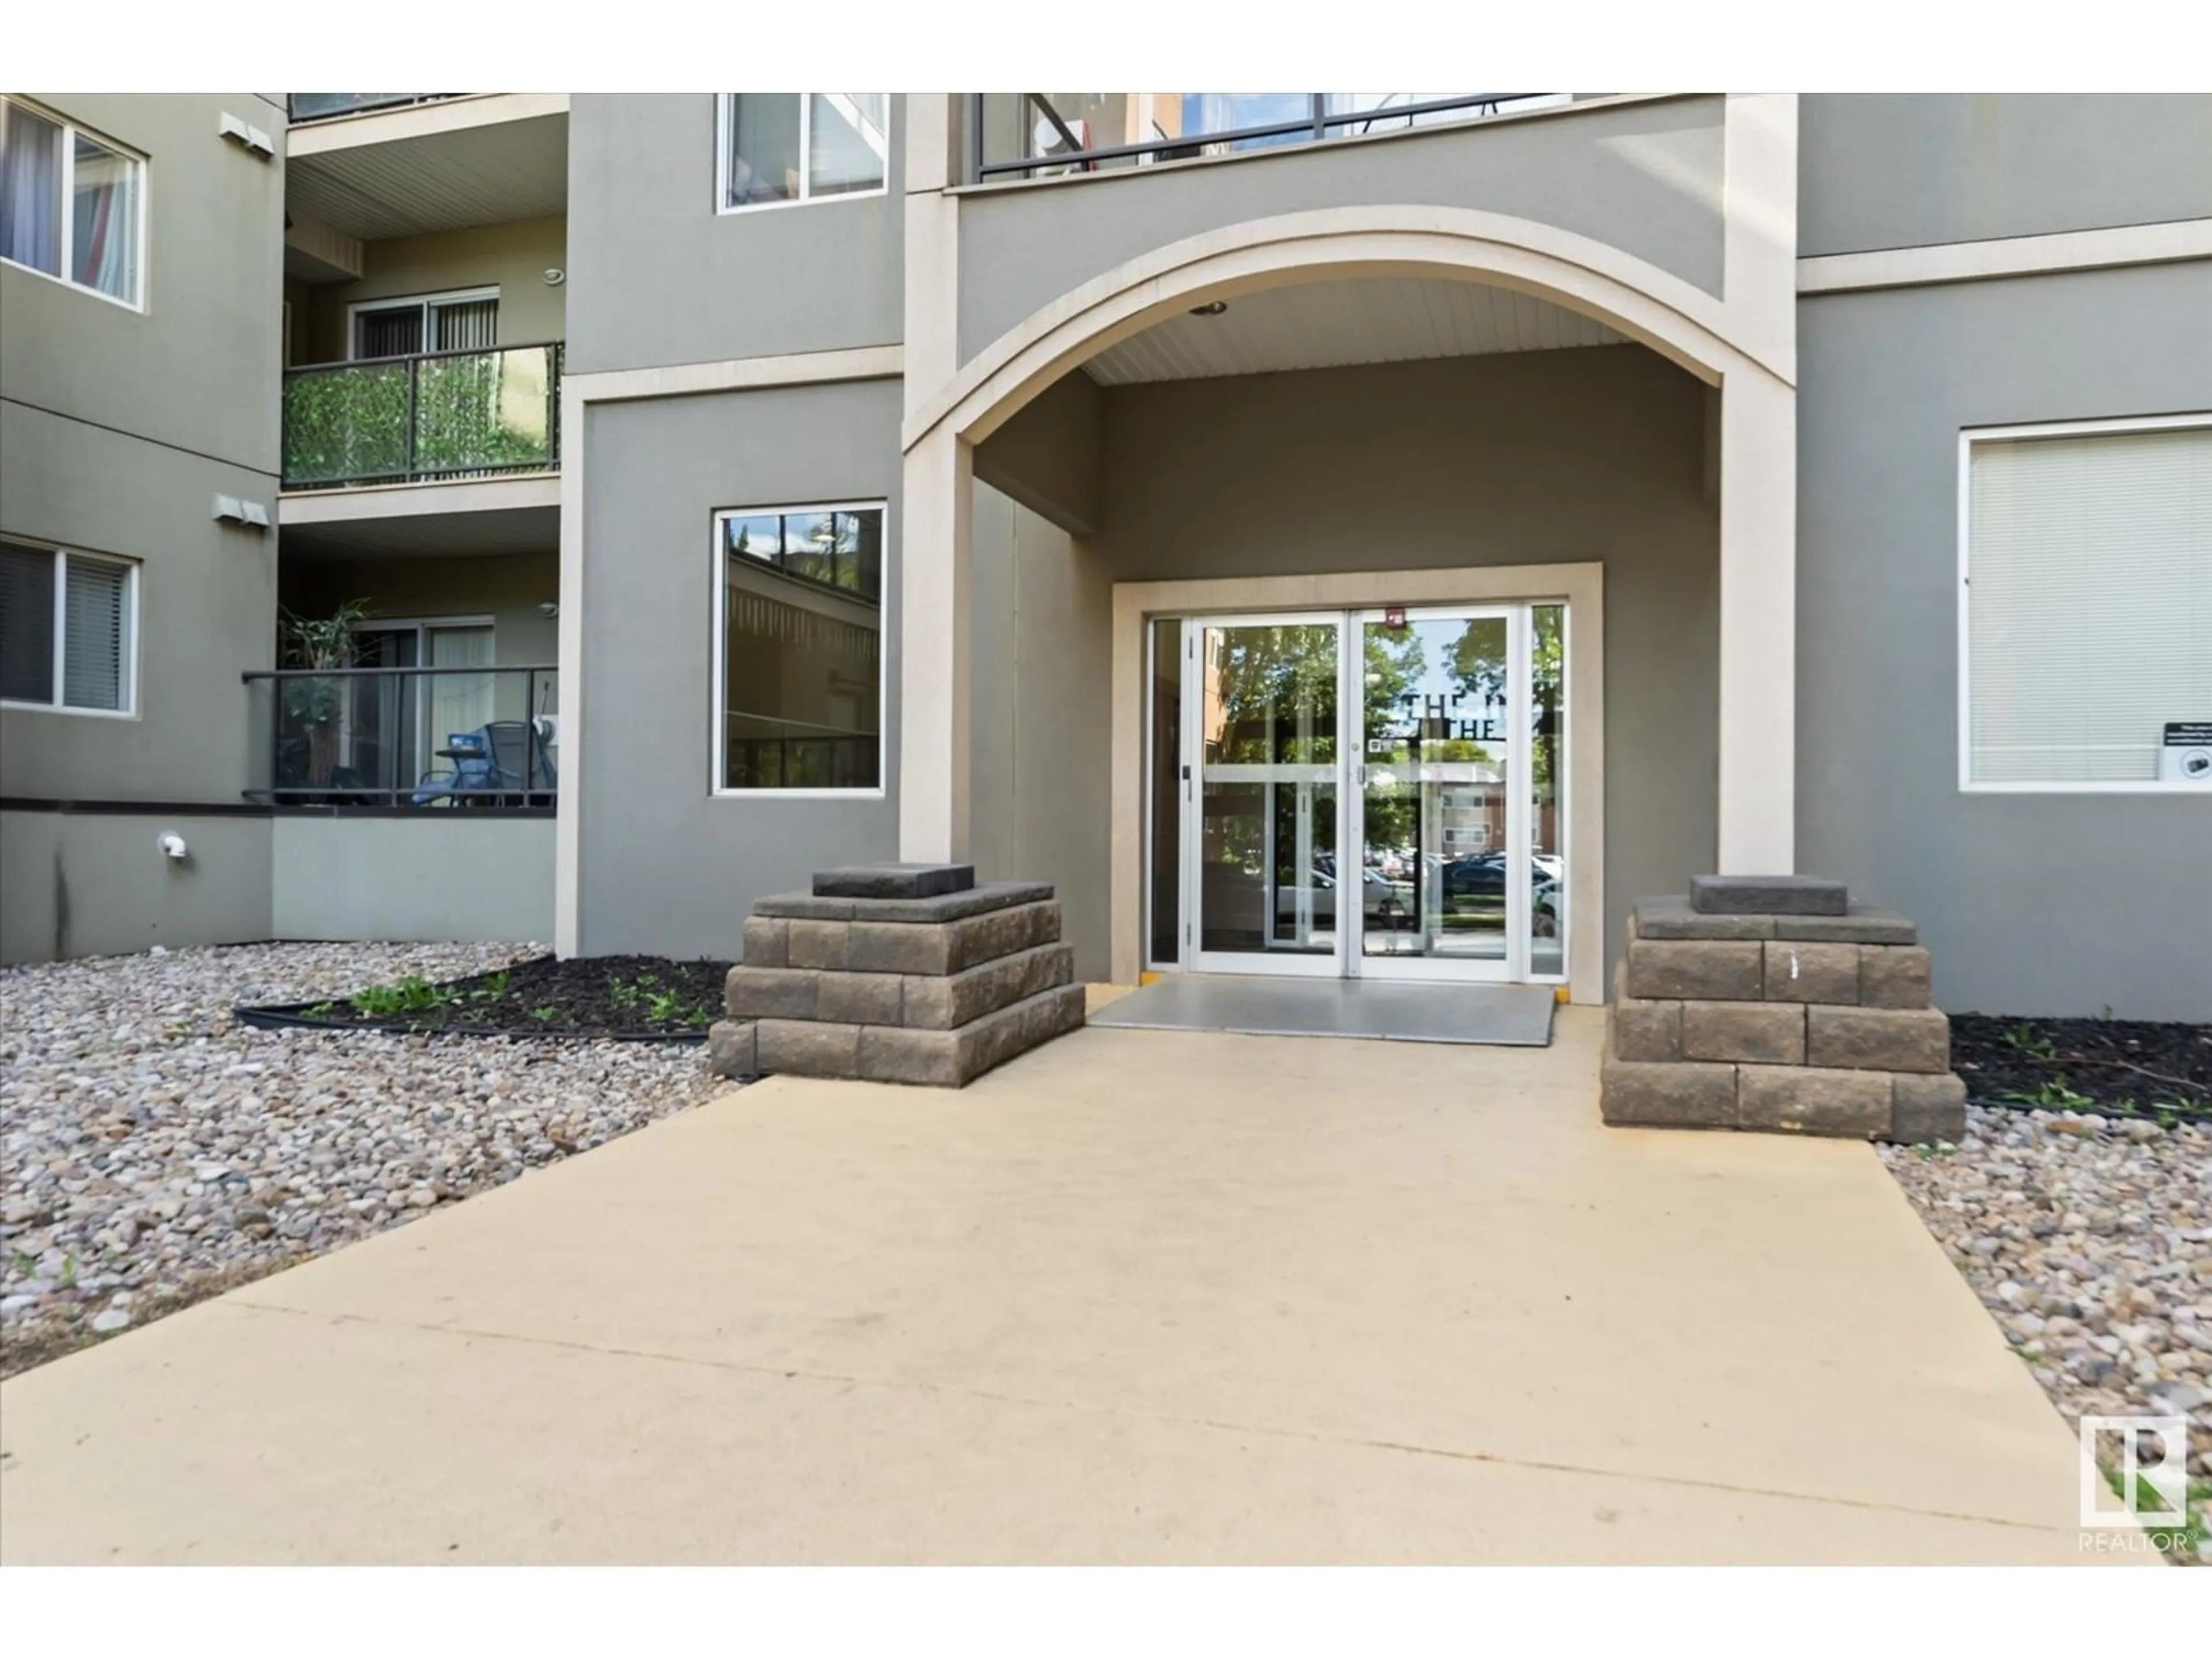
{"type": "Point", "coordinates": [1048, 133]}
{"type": "Point", "coordinates": [303, 106]}
{"type": "Point", "coordinates": [437, 415]}
{"type": "Point", "coordinates": [428, 738]}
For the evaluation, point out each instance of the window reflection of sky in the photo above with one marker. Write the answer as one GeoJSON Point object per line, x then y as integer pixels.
{"type": "Point", "coordinates": [1446, 653]}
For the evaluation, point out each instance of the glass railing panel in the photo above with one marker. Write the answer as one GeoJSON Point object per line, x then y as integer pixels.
{"type": "Point", "coordinates": [448, 415]}
{"type": "Point", "coordinates": [347, 423]}
{"type": "Point", "coordinates": [484, 411]}
{"type": "Point", "coordinates": [304, 106]}
{"type": "Point", "coordinates": [1041, 135]}
{"type": "Point", "coordinates": [431, 737]}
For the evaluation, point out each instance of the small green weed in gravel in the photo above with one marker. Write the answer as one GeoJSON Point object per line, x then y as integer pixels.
{"type": "Point", "coordinates": [411, 994]}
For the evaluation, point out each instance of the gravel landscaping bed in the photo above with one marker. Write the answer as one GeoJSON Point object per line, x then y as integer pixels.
{"type": "Point", "coordinates": [153, 1149]}
{"type": "Point", "coordinates": [2089, 1239]}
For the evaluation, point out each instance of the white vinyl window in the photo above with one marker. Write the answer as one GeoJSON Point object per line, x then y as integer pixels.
{"type": "Point", "coordinates": [797, 644]}
{"type": "Point", "coordinates": [2085, 604]}
{"type": "Point", "coordinates": [773, 148]}
{"type": "Point", "coordinates": [68, 630]}
{"type": "Point", "coordinates": [72, 205]}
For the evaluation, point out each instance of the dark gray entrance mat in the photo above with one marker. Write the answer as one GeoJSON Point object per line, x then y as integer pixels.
{"type": "Point", "coordinates": [1517, 1015]}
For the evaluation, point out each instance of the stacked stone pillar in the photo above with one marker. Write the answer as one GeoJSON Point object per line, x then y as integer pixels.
{"type": "Point", "coordinates": [898, 973]}
{"type": "Point", "coordinates": [1775, 1003]}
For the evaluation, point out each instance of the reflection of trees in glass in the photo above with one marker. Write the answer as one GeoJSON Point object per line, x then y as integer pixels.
{"type": "Point", "coordinates": [1263, 676]}
{"type": "Point", "coordinates": [1548, 681]}
{"type": "Point", "coordinates": [1395, 659]}
{"type": "Point", "coordinates": [1478, 660]}
{"type": "Point", "coordinates": [836, 549]}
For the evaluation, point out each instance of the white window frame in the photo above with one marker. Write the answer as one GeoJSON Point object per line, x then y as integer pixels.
{"type": "Point", "coordinates": [143, 194]}
{"type": "Point", "coordinates": [806, 197]}
{"type": "Point", "coordinates": [718, 753]}
{"type": "Point", "coordinates": [1968, 437]}
{"type": "Point", "coordinates": [62, 556]}
{"type": "Point", "coordinates": [423, 302]}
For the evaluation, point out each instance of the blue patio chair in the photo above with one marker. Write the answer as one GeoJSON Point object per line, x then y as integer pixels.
{"type": "Point", "coordinates": [472, 772]}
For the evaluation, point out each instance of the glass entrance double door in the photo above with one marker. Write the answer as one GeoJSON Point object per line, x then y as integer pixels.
{"type": "Point", "coordinates": [1370, 793]}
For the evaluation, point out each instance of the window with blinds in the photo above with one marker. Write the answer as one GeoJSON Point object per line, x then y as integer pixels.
{"type": "Point", "coordinates": [65, 622]}
{"type": "Point", "coordinates": [432, 322]}
{"type": "Point", "coordinates": [2088, 603]}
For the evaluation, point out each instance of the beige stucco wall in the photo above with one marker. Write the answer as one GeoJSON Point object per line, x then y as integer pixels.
{"type": "Point", "coordinates": [515, 257]}
{"type": "Point", "coordinates": [1541, 457]}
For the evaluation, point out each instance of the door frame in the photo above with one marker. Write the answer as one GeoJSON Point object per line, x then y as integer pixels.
{"type": "Point", "coordinates": [1581, 585]}
{"type": "Point", "coordinates": [1190, 885]}
{"type": "Point", "coordinates": [422, 628]}
{"type": "Point", "coordinates": [1513, 964]}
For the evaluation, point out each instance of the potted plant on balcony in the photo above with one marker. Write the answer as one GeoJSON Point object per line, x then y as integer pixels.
{"type": "Point", "coordinates": [314, 706]}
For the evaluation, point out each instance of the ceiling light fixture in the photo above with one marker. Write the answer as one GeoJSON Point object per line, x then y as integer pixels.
{"type": "Point", "coordinates": [1210, 309]}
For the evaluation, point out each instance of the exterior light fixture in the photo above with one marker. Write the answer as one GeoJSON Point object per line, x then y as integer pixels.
{"type": "Point", "coordinates": [1210, 309]}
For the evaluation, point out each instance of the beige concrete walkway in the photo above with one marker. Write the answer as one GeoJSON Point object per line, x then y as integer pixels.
{"type": "Point", "coordinates": [1140, 1296]}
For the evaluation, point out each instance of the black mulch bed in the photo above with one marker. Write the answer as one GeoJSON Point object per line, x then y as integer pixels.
{"type": "Point", "coordinates": [641, 999]}
{"type": "Point", "coordinates": [2114, 1067]}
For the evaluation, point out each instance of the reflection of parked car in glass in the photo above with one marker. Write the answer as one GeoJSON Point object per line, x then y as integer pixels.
{"type": "Point", "coordinates": [1385, 903]}
{"type": "Point", "coordinates": [1475, 886]}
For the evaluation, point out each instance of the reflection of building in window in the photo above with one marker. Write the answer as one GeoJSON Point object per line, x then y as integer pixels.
{"type": "Point", "coordinates": [802, 146]}
{"type": "Point", "coordinates": [801, 699]}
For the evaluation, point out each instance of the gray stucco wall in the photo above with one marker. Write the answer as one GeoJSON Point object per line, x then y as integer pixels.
{"type": "Point", "coordinates": [206, 608]}
{"type": "Point", "coordinates": [199, 368]}
{"type": "Point", "coordinates": [2032, 904]}
{"type": "Point", "coordinates": [74, 885]}
{"type": "Point", "coordinates": [1645, 177]}
{"type": "Point", "coordinates": [1908, 170]}
{"type": "Point", "coordinates": [657, 276]}
{"type": "Point", "coordinates": [1557, 456]}
{"type": "Point", "coordinates": [117, 429]}
{"type": "Point", "coordinates": [1046, 457]}
{"type": "Point", "coordinates": [428, 876]}
{"type": "Point", "coordinates": [666, 867]}
{"type": "Point", "coordinates": [1042, 661]}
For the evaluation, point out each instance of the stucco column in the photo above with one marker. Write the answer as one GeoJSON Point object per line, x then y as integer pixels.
{"type": "Point", "coordinates": [1759, 491]}
{"type": "Point", "coordinates": [938, 495]}
{"type": "Point", "coordinates": [935, 727]}
{"type": "Point", "coordinates": [568, 755]}
{"type": "Point", "coordinates": [1758, 625]}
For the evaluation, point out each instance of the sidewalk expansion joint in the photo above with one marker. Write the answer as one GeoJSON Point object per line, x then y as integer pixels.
{"type": "Point", "coordinates": [241, 1300]}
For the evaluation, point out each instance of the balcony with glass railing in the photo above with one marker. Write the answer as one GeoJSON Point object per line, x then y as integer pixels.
{"type": "Point", "coordinates": [304, 106]}
{"type": "Point", "coordinates": [428, 417]}
{"type": "Point", "coordinates": [1046, 135]}
{"type": "Point", "coordinates": [448, 738]}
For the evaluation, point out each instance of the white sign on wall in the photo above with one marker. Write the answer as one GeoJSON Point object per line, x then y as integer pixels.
{"type": "Point", "coordinates": [2185, 757]}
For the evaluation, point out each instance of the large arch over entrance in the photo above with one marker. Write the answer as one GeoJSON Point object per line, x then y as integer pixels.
{"type": "Point", "coordinates": [1678, 320]}
{"type": "Point", "coordinates": [1734, 344]}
